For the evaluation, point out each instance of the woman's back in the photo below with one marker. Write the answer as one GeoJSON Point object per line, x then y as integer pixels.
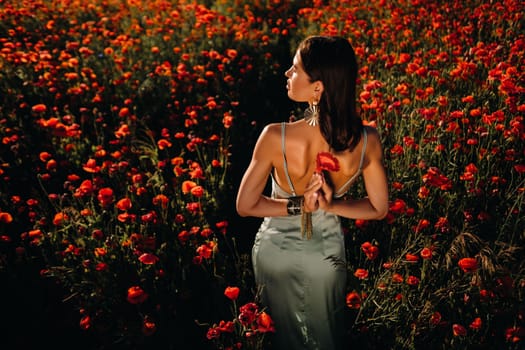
{"type": "Point", "coordinates": [301, 144]}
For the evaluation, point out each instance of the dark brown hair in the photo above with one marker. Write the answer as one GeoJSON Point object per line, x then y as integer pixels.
{"type": "Point", "coordinates": [331, 60]}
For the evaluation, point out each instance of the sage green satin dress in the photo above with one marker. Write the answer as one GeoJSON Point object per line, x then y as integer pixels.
{"type": "Point", "coordinates": [302, 282]}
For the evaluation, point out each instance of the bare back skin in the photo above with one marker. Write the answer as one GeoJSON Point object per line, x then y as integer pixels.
{"type": "Point", "coordinates": [302, 143]}
{"type": "Point", "coordinates": [301, 147]}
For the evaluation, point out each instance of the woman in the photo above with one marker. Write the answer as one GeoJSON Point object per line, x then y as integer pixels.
{"type": "Point", "coordinates": [299, 254]}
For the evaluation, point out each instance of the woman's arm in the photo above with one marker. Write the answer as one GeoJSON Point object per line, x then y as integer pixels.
{"type": "Point", "coordinates": [250, 198]}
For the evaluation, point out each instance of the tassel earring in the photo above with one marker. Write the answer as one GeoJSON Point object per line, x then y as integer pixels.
{"type": "Point", "coordinates": [311, 114]}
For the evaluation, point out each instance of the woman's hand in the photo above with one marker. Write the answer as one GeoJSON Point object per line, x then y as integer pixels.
{"type": "Point", "coordinates": [325, 195]}
{"type": "Point", "coordinates": [311, 195]}
{"type": "Point", "coordinates": [318, 194]}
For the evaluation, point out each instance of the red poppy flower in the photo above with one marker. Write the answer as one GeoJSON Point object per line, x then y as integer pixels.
{"type": "Point", "coordinates": [468, 264]}
{"type": "Point", "coordinates": [85, 322]}
{"type": "Point", "coordinates": [187, 186]}
{"type": "Point", "coordinates": [426, 253]}
{"type": "Point", "coordinates": [371, 251]}
{"type": "Point", "coordinates": [412, 280]}
{"type": "Point", "coordinates": [161, 200]}
{"type": "Point", "coordinates": [148, 326]}
{"type": "Point", "coordinates": [60, 218]}
{"type": "Point", "coordinates": [326, 161]}
{"type": "Point", "coordinates": [105, 196]}
{"type": "Point", "coordinates": [476, 324]}
{"type": "Point", "coordinates": [136, 295]}
{"type": "Point", "coordinates": [227, 327]}
{"type": "Point", "coordinates": [247, 314]}
{"type": "Point", "coordinates": [458, 330]}
{"type": "Point", "coordinates": [265, 323]}
{"type": "Point", "coordinates": [39, 108]}
{"type": "Point", "coordinates": [148, 259]}
{"type": "Point", "coordinates": [411, 257]}
{"type": "Point", "coordinates": [197, 191]}
{"type": "Point", "coordinates": [361, 274]}
{"type": "Point", "coordinates": [124, 204]}
{"type": "Point", "coordinates": [353, 300]}
{"type": "Point", "coordinates": [520, 168]}
{"type": "Point", "coordinates": [397, 278]}
{"type": "Point", "coordinates": [232, 292]}
{"type": "Point", "coordinates": [213, 333]}
{"type": "Point", "coordinates": [435, 319]}
{"type": "Point", "coordinates": [6, 217]}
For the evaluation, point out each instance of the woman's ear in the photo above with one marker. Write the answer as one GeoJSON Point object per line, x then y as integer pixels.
{"type": "Point", "coordinates": [318, 87]}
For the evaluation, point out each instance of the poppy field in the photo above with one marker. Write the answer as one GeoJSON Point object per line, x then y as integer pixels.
{"type": "Point", "coordinates": [126, 125]}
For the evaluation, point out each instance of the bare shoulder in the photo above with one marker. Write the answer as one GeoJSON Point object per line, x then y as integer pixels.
{"type": "Point", "coordinates": [372, 133]}
{"type": "Point", "coordinates": [269, 131]}
{"type": "Point", "coordinates": [374, 149]}
{"type": "Point", "coordinates": [268, 137]}
{"type": "Point", "coordinates": [373, 137]}
{"type": "Point", "coordinates": [272, 128]}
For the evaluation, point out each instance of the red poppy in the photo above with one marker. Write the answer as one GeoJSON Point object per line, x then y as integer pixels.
{"type": "Point", "coordinates": [353, 300]}
{"type": "Point", "coordinates": [45, 156]}
{"type": "Point", "coordinates": [206, 232]}
{"type": "Point", "coordinates": [227, 327]}
{"type": "Point", "coordinates": [213, 333]}
{"type": "Point", "coordinates": [187, 186]}
{"type": "Point", "coordinates": [136, 295]}
{"type": "Point", "coordinates": [232, 293]}
{"type": "Point", "coordinates": [426, 253]}
{"type": "Point", "coordinates": [206, 250]}
{"type": "Point", "coordinates": [35, 234]}
{"type": "Point", "coordinates": [476, 324]}
{"type": "Point", "coordinates": [361, 274]}
{"type": "Point", "coordinates": [39, 108]}
{"type": "Point", "coordinates": [193, 207]}
{"type": "Point", "coordinates": [148, 326]}
{"type": "Point", "coordinates": [520, 168]}
{"type": "Point", "coordinates": [247, 314]}
{"type": "Point", "coordinates": [468, 264]}
{"type": "Point", "coordinates": [105, 196]}
{"type": "Point", "coordinates": [514, 334]}
{"type": "Point", "coordinates": [265, 323]}
{"type": "Point", "coordinates": [412, 280]}
{"type": "Point", "coordinates": [60, 218]}
{"type": "Point", "coordinates": [411, 257]}
{"type": "Point", "coordinates": [6, 217]}
{"type": "Point", "coordinates": [101, 266]}
{"type": "Point", "coordinates": [458, 330]}
{"type": "Point", "coordinates": [371, 251]}
{"type": "Point", "coordinates": [148, 258]}
{"type": "Point", "coordinates": [91, 166]}
{"type": "Point", "coordinates": [124, 204]}
{"type": "Point", "coordinates": [326, 161]}
{"type": "Point", "coordinates": [85, 322]}
{"type": "Point", "coordinates": [397, 278]}
{"type": "Point", "coordinates": [85, 188]}
{"type": "Point", "coordinates": [183, 236]}
{"type": "Point", "coordinates": [398, 206]}
{"type": "Point", "coordinates": [163, 144]}
{"type": "Point", "coordinates": [197, 191]}
{"type": "Point", "coordinates": [435, 319]}
{"type": "Point", "coordinates": [161, 200]}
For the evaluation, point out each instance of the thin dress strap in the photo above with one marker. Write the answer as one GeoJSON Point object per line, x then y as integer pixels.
{"type": "Point", "coordinates": [285, 164]}
{"type": "Point", "coordinates": [358, 172]}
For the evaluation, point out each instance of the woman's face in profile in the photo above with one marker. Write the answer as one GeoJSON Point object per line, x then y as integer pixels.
{"type": "Point", "coordinates": [298, 84]}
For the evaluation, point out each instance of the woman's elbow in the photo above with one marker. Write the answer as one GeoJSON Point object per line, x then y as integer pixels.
{"type": "Point", "coordinates": [382, 212]}
{"type": "Point", "coordinates": [241, 209]}
{"type": "Point", "coordinates": [242, 213]}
